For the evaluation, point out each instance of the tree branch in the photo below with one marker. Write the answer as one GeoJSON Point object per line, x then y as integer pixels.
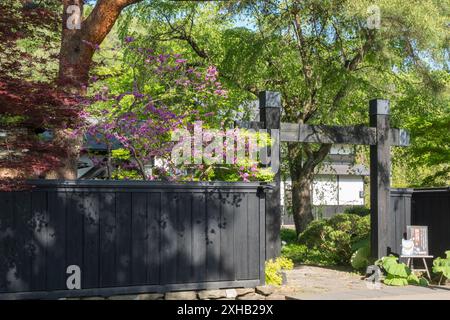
{"type": "Point", "coordinates": [102, 18]}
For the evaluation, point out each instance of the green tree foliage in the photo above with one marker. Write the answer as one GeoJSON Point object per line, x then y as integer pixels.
{"type": "Point", "coordinates": [424, 110]}
{"type": "Point", "coordinates": [327, 58]}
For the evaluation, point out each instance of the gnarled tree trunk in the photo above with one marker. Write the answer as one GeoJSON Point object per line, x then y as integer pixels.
{"type": "Point", "coordinates": [77, 49]}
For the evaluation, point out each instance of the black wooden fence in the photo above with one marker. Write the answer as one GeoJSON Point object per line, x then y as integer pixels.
{"type": "Point", "coordinates": [431, 207]}
{"type": "Point", "coordinates": [400, 217]}
{"type": "Point", "coordinates": [130, 237]}
{"type": "Point", "coordinates": [423, 207]}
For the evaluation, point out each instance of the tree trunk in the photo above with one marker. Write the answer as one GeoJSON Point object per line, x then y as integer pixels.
{"type": "Point", "coordinates": [302, 163]}
{"type": "Point", "coordinates": [74, 62]}
{"type": "Point", "coordinates": [301, 202]}
{"type": "Point", "coordinates": [78, 46]}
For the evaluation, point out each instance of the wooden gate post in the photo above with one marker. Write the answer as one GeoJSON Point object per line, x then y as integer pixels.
{"type": "Point", "coordinates": [270, 116]}
{"type": "Point", "coordinates": [380, 163]}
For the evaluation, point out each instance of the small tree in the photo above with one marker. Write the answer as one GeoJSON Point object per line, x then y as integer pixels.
{"type": "Point", "coordinates": [158, 92]}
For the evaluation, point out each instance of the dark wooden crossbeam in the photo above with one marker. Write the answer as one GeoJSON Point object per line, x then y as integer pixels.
{"type": "Point", "coordinates": [360, 135]}
{"type": "Point", "coordinates": [255, 125]}
{"type": "Point", "coordinates": [379, 135]}
{"type": "Point", "coordinates": [291, 132]}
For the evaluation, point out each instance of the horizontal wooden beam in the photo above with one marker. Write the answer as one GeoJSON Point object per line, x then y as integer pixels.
{"type": "Point", "coordinates": [399, 137]}
{"type": "Point", "coordinates": [360, 135]}
{"type": "Point", "coordinates": [255, 125]}
{"type": "Point", "coordinates": [327, 134]}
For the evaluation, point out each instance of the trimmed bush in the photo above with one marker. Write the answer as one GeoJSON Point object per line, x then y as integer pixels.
{"type": "Point", "coordinates": [288, 235]}
{"type": "Point", "coordinates": [298, 253]}
{"type": "Point", "coordinates": [332, 241]}
{"type": "Point", "coordinates": [358, 210]}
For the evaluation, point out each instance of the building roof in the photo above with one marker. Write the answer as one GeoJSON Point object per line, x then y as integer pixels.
{"type": "Point", "coordinates": [94, 143]}
{"type": "Point", "coordinates": [343, 169]}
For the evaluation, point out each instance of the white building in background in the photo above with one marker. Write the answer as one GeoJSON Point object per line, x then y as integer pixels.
{"type": "Point", "coordinates": [337, 185]}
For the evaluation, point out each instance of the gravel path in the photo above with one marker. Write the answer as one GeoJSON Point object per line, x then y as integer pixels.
{"type": "Point", "coordinates": [310, 282]}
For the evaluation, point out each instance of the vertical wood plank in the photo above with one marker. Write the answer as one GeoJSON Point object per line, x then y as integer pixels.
{"type": "Point", "coordinates": [154, 237]}
{"type": "Point", "coordinates": [408, 214]}
{"type": "Point", "coordinates": [184, 238]}
{"type": "Point", "coordinates": [107, 239]}
{"type": "Point", "coordinates": [227, 270]}
{"type": "Point", "coordinates": [396, 216]}
{"type": "Point", "coordinates": [19, 274]}
{"type": "Point", "coordinates": [139, 239]}
{"type": "Point", "coordinates": [199, 237]}
{"type": "Point", "coordinates": [56, 255]}
{"type": "Point", "coordinates": [75, 231]}
{"type": "Point", "coordinates": [213, 206]}
{"type": "Point", "coordinates": [445, 213]}
{"type": "Point", "coordinates": [262, 236]}
{"type": "Point", "coordinates": [6, 236]}
{"type": "Point", "coordinates": [123, 238]}
{"type": "Point", "coordinates": [240, 234]}
{"type": "Point", "coordinates": [168, 237]}
{"type": "Point", "coordinates": [90, 270]}
{"type": "Point", "coordinates": [39, 240]}
{"type": "Point", "coordinates": [252, 213]}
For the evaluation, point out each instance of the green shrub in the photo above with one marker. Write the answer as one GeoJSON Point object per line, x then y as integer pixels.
{"type": "Point", "coordinates": [301, 254]}
{"type": "Point", "coordinates": [358, 210]}
{"type": "Point", "coordinates": [441, 266]}
{"type": "Point", "coordinates": [332, 241]}
{"type": "Point", "coordinates": [298, 253]}
{"type": "Point", "coordinates": [265, 174]}
{"type": "Point", "coordinates": [274, 268]}
{"type": "Point", "coordinates": [288, 235]}
{"type": "Point", "coordinates": [122, 174]}
{"type": "Point", "coordinates": [121, 154]}
{"type": "Point", "coordinates": [398, 274]}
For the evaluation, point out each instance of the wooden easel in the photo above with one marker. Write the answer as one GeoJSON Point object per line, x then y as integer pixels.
{"type": "Point", "coordinates": [410, 263]}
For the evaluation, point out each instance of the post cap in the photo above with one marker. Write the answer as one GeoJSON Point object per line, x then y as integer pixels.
{"type": "Point", "coordinates": [379, 106]}
{"type": "Point", "coordinates": [269, 99]}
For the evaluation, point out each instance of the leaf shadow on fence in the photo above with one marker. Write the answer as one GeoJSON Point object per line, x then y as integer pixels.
{"type": "Point", "coordinates": [127, 238]}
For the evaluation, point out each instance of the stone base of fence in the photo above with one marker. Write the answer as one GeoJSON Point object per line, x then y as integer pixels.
{"type": "Point", "coordinates": [258, 293]}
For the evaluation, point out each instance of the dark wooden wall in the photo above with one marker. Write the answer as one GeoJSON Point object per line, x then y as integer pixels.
{"type": "Point", "coordinates": [431, 207]}
{"type": "Point", "coordinates": [400, 217]}
{"type": "Point", "coordinates": [130, 237]}
{"type": "Point", "coordinates": [423, 207]}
